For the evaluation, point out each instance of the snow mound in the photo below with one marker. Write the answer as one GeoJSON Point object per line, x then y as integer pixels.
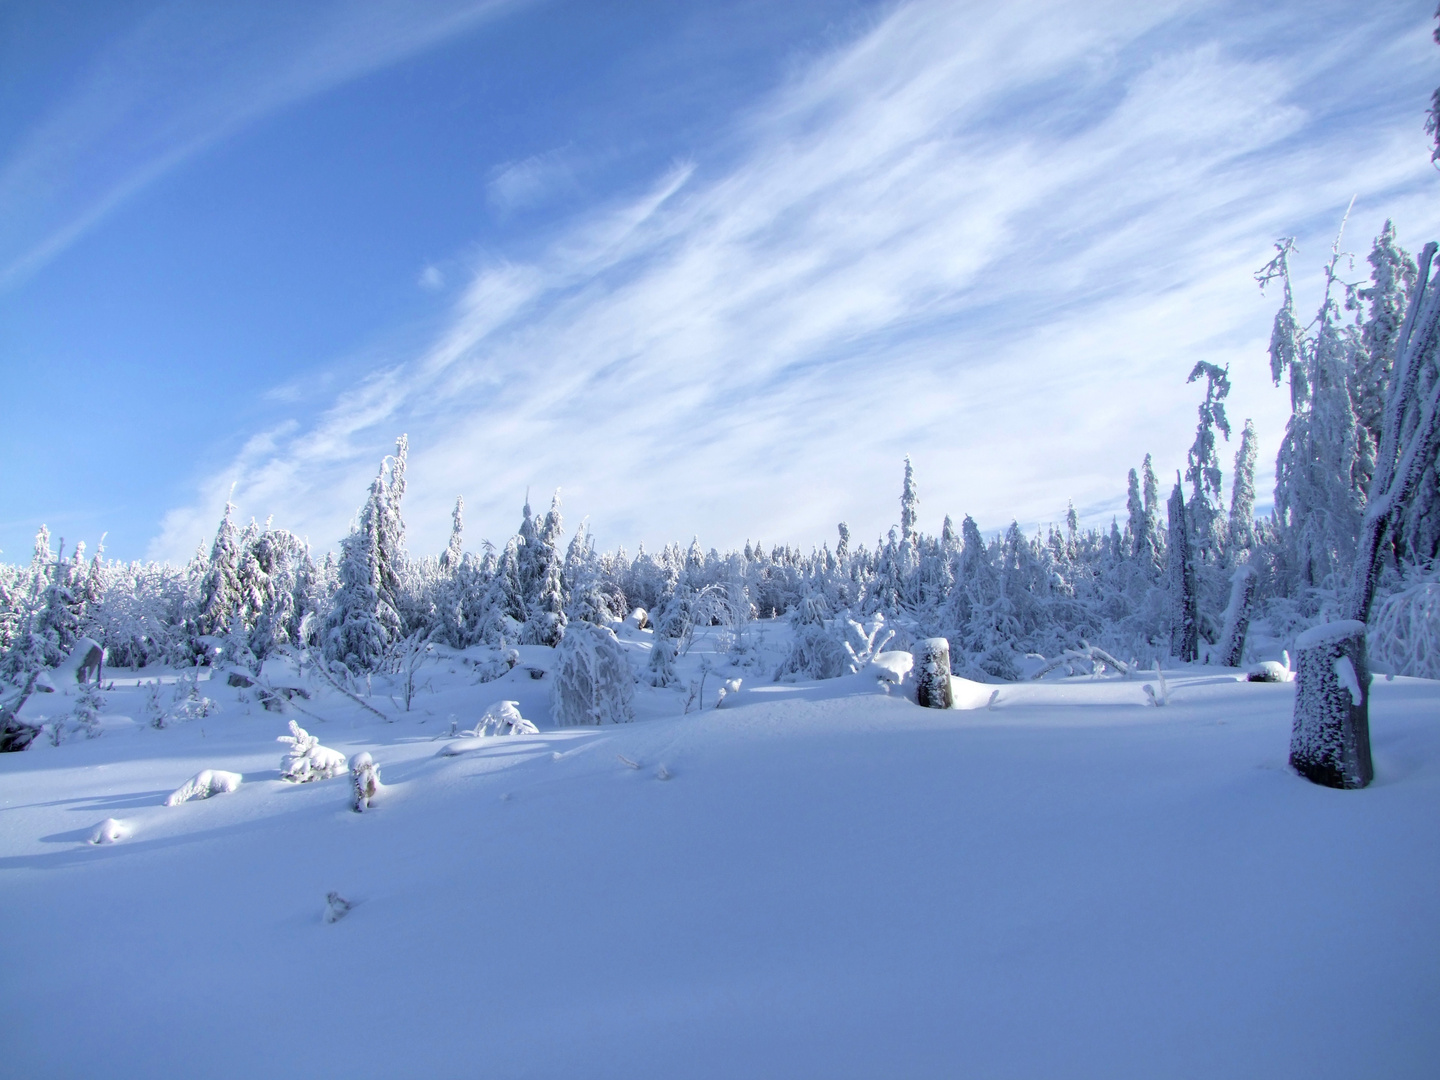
{"type": "Point", "coordinates": [203, 784]}
{"type": "Point", "coordinates": [110, 831]}
{"type": "Point", "coordinates": [306, 759]}
{"type": "Point", "coordinates": [968, 694]}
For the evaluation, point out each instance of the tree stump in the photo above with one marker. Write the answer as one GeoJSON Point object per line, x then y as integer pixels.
{"type": "Point", "coordinates": [1330, 739]}
{"type": "Point", "coordinates": [932, 674]}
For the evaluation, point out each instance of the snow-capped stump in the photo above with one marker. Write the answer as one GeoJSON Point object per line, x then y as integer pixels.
{"type": "Point", "coordinates": [202, 785]}
{"type": "Point", "coordinates": [592, 683]}
{"type": "Point", "coordinates": [336, 907]}
{"type": "Point", "coordinates": [306, 759]}
{"type": "Point", "coordinates": [932, 673]}
{"type": "Point", "coordinates": [365, 779]}
{"type": "Point", "coordinates": [1330, 739]}
{"type": "Point", "coordinates": [110, 831]}
{"type": "Point", "coordinates": [638, 619]}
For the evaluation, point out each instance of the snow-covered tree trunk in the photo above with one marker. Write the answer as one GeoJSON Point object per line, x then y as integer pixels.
{"type": "Point", "coordinates": [932, 673]}
{"type": "Point", "coordinates": [1330, 738]}
{"type": "Point", "coordinates": [1237, 617]}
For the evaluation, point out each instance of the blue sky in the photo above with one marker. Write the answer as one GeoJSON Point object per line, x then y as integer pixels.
{"type": "Point", "coordinates": [711, 269]}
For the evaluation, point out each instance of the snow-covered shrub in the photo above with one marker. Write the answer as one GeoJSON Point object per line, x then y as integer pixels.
{"type": "Point", "coordinates": [863, 643]}
{"type": "Point", "coordinates": [364, 780]}
{"type": "Point", "coordinates": [499, 662]}
{"type": "Point", "coordinates": [203, 784]}
{"type": "Point", "coordinates": [817, 650]}
{"type": "Point", "coordinates": [593, 683]}
{"type": "Point", "coordinates": [503, 718]}
{"type": "Point", "coordinates": [1001, 662]}
{"type": "Point", "coordinates": [306, 759]}
{"type": "Point", "coordinates": [1404, 637]}
{"type": "Point", "coordinates": [336, 907]}
{"type": "Point", "coordinates": [88, 703]}
{"type": "Point", "coordinates": [662, 663]}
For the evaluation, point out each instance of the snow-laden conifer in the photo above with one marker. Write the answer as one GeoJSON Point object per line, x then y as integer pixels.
{"type": "Point", "coordinates": [1180, 582]}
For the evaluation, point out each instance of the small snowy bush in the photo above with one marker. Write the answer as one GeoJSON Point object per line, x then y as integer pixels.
{"type": "Point", "coordinates": [203, 784]}
{"type": "Point", "coordinates": [503, 718]}
{"type": "Point", "coordinates": [593, 682]}
{"type": "Point", "coordinates": [365, 779]}
{"type": "Point", "coordinates": [662, 663]}
{"type": "Point", "coordinates": [306, 759]}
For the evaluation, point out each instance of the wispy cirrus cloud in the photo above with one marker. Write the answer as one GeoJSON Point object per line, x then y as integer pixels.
{"type": "Point", "coordinates": [183, 77]}
{"type": "Point", "coordinates": [994, 237]}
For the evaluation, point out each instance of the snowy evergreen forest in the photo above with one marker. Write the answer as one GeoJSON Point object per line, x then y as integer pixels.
{"type": "Point", "coordinates": [1190, 573]}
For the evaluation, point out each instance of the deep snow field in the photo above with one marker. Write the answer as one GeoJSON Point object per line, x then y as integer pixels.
{"type": "Point", "coordinates": [813, 880]}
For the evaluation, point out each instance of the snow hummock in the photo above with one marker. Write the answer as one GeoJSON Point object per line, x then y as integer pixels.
{"type": "Point", "coordinates": [202, 785]}
{"type": "Point", "coordinates": [110, 831]}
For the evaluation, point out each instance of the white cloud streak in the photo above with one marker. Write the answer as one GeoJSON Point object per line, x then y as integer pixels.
{"type": "Point", "coordinates": [995, 237]}
{"type": "Point", "coordinates": [184, 77]}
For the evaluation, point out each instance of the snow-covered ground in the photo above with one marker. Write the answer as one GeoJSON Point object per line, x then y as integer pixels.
{"type": "Point", "coordinates": [816, 879]}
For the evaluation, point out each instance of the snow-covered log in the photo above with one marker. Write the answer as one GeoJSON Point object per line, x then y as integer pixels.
{"type": "Point", "coordinates": [1330, 737]}
{"type": "Point", "coordinates": [932, 673]}
{"type": "Point", "coordinates": [1237, 616]}
{"type": "Point", "coordinates": [306, 759]}
{"type": "Point", "coordinates": [365, 780]}
{"type": "Point", "coordinates": [593, 683]}
{"type": "Point", "coordinates": [202, 785]}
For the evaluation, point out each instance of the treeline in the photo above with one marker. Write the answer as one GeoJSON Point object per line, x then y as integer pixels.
{"type": "Point", "coordinates": [1160, 582]}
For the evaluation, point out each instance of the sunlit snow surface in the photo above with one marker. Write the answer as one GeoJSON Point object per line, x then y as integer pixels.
{"type": "Point", "coordinates": [816, 880]}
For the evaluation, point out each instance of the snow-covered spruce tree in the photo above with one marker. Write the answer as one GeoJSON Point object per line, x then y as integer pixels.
{"type": "Point", "coordinates": [220, 588]}
{"type": "Point", "coordinates": [451, 557]}
{"type": "Point", "coordinates": [1180, 583]}
{"type": "Point", "coordinates": [545, 609]}
{"type": "Point", "coordinates": [1330, 738]}
{"type": "Point", "coordinates": [1203, 470]}
{"type": "Point", "coordinates": [363, 620]}
{"type": "Point", "coordinates": [909, 504]}
{"type": "Point", "coordinates": [592, 680]}
{"type": "Point", "coordinates": [1319, 472]}
{"type": "Point", "coordinates": [1242, 492]}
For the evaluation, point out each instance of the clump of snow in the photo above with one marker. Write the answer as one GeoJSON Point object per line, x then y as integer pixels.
{"type": "Point", "coordinates": [593, 681]}
{"type": "Point", "coordinates": [1345, 672]}
{"type": "Point", "coordinates": [306, 759]}
{"type": "Point", "coordinates": [203, 784]}
{"type": "Point", "coordinates": [110, 831]}
{"type": "Point", "coordinates": [638, 619]}
{"type": "Point", "coordinates": [365, 779]}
